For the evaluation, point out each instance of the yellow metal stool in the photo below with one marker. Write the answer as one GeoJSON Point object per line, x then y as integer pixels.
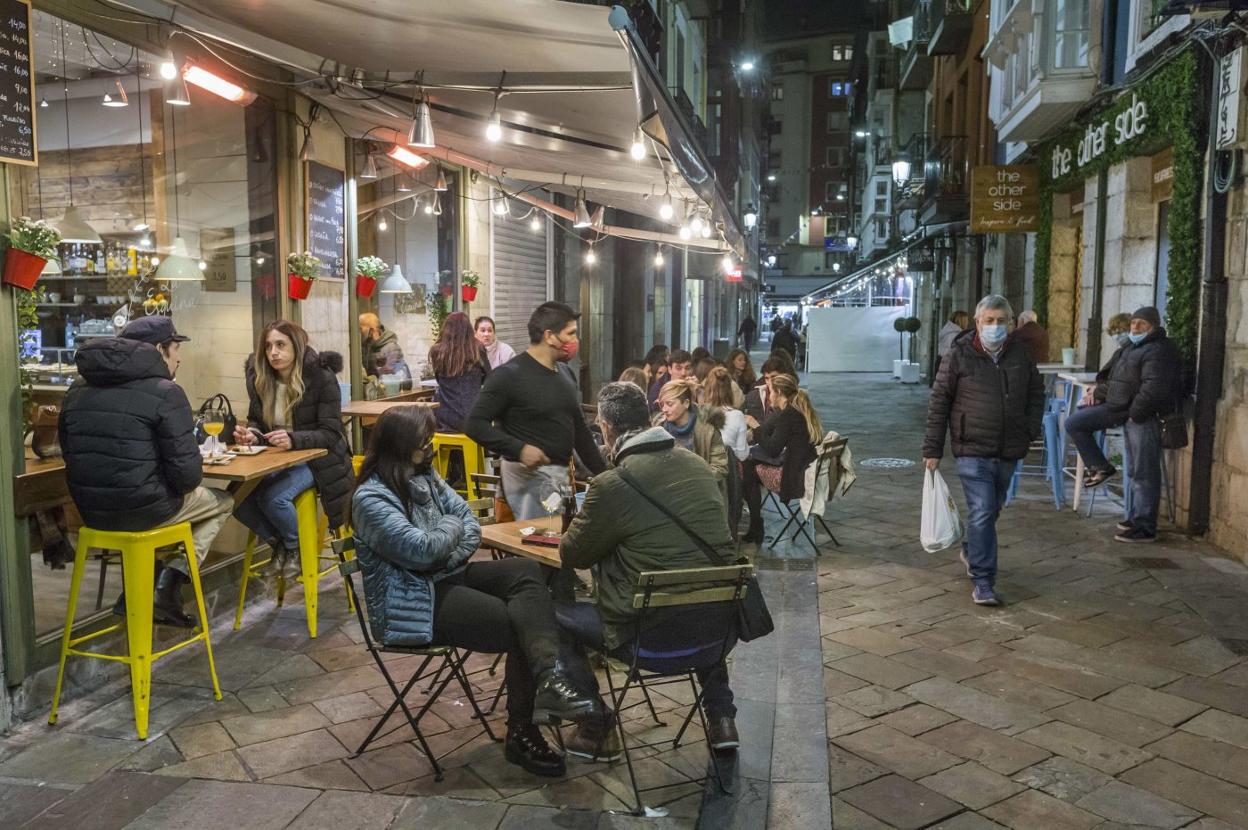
{"type": "Point", "coordinates": [313, 531]}
{"type": "Point", "coordinates": [474, 457]}
{"type": "Point", "coordinates": [138, 569]}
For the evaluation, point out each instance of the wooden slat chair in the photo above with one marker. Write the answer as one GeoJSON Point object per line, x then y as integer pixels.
{"type": "Point", "coordinates": [450, 666]}
{"type": "Point", "coordinates": [681, 653]}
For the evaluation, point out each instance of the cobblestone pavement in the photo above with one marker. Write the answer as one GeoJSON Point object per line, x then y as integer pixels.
{"type": "Point", "coordinates": [1110, 691]}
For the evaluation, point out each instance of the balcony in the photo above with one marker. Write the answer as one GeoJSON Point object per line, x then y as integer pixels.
{"type": "Point", "coordinates": [916, 65]}
{"type": "Point", "coordinates": [951, 23]}
{"type": "Point", "coordinates": [946, 185]}
{"type": "Point", "coordinates": [910, 193]}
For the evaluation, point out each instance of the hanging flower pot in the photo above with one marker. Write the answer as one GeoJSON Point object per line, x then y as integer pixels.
{"type": "Point", "coordinates": [22, 269]}
{"type": "Point", "coordinates": [298, 287]}
{"type": "Point", "coordinates": [364, 286]}
{"type": "Point", "coordinates": [468, 292]}
{"type": "Point", "coordinates": [368, 269]}
{"type": "Point", "coordinates": [469, 280]}
{"type": "Point", "coordinates": [301, 272]}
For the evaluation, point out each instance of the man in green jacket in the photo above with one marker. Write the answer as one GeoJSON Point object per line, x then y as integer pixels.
{"type": "Point", "coordinates": [619, 533]}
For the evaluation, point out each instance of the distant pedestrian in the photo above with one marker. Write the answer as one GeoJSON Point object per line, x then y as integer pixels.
{"type": "Point", "coordinates": [958, 322]}
{"type": "Point", "coordinates": [991, 398]}
{"type": "Point", "coordinates": [1033, 336]}
{"type": "Point", "coordinates": [748, 332]}
{"type": "Point", "coordinates": [785, 339]}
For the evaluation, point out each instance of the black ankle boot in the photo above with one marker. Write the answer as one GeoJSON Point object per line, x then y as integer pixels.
{"type": "Point", "coordinates": [167, 604]}
{"type": "Point", "coordinates": [526, 746]}
{"type": "Point", "coordinates": [755, 533]}
{"type": "Point", "coordinates": [557, 699]}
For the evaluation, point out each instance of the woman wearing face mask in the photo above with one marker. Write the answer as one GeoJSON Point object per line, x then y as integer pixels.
{"type": "Point", "coordinates": [1093, 416]}
{"type": "Point", "coordinates": [294, 404]}
{"type": "Point", "coordinates": [414, 537]}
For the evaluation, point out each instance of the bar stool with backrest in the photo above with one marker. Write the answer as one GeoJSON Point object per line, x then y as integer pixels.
{"type": "Point", "coordinates": [138, 552]}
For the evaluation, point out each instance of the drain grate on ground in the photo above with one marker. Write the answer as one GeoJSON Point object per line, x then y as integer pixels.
{"type": "Point", "coordinates": [885, 463]}
{"type": "Point", "coordinates": [781, 563]}
{"type": "Point", "coordinates": [1152, 563]}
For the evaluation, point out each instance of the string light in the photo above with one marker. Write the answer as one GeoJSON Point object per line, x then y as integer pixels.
{"type": "Point", "coordinates": [590, 256]}
{"type": "Point", "coordinates": [500, 206]}
{"type": "Point", "coordinates": [658, 257]}
{"type": "Point", "coordinates": [685, 233]}
{"type": "Point", "coordinates": [381, 223]}
{"type": "Point", "coordinates": [535, 224]}
{"type": "Point", "coordinates": [638, 148]}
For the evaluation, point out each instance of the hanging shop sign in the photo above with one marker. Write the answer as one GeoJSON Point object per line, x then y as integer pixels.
{"type": "Point", "coordinates": [17, 85]}
{"type": "Point", "coordinates": [326, 229]}
{"type": "Point", "coordinates": [221, 255]}
{"type": "Point", "coordinates": [735, 275]}
{"type": "Point", "coordinates": [1005, 198]}
{"type": "Point", "coordinates": [1230, 100]}
{"type": "Point", "coordinates": [921, 258]}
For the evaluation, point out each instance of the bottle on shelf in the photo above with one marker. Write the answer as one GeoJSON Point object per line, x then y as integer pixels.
{"type": "Point", "coordinates": [132, 261]}
{"type": "Point", "coordinates": [101, 264]}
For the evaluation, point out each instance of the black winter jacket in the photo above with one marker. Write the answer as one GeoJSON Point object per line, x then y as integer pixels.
{"type": "Point", "coordinates": [127, 435]}
{"type": "Point", "coordinates": [1144, 380]}
{"type": "Point", "coordinates": [315, 423]}
{"type": "Point", "coordinates": [992, 409]}
{"type": "Point", "coordinates": [784, 435]}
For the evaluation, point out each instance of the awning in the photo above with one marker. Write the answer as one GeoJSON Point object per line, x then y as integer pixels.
{"type": "Point", "coordinates": [574, 86]}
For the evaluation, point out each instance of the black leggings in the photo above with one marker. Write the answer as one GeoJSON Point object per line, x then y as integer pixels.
{"type": "Point", "coordinates": [501, 606]}
{"type": "Point", "coordinates": [753, 487]}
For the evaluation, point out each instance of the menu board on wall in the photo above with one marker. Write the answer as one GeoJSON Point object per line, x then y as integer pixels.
{"type": "Point", "coordinates": [327, 232]}
{"type": "Point", "coordinates": [17, 85]}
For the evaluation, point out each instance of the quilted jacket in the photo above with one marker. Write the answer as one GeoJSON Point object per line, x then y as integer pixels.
{"type": "Point", "coordinates": [403, 555]}
{"type": "Point", "coordinates": [1144, 380]}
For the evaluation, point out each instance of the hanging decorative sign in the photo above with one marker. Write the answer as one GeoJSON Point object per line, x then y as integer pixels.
{"type": "Point", "coordinates": [1005, 198]}
{"type": "Point", "coordinates": [1230, 94]}
{"type": "Point", "coordinates": [921, 258]}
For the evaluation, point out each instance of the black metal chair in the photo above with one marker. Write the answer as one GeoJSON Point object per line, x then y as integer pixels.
{"type": "Point", "coordinates": [663, 655]}
{"type": "Point", "coordinates": [827, 456]}
{"type": "Point", "coordinates": [450, 666]}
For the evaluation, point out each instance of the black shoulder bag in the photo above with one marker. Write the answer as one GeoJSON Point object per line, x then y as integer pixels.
{"type": "Point", "coordinates": [217, 401]}
{"type": "Point", "coordinates": [753, 617]}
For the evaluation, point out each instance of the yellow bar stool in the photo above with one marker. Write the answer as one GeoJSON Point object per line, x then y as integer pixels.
{"type": "Point", "coordinates": [444, 443]}
{"type": "Point", "coordinates": [138, 557]}
{"type": "Point", "coordinates": [313, 531]}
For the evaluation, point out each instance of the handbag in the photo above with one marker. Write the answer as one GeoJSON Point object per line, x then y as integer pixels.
{"type": "Point", "coordinates": [217, 401]}
{"type": "Point", "coordinates": [1173, 431]}
{"type": "Point", "coordinates": [753, 617]}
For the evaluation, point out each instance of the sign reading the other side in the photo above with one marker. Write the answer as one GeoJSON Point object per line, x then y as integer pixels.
{"type": "Point", "coordinates": [1005, 198]}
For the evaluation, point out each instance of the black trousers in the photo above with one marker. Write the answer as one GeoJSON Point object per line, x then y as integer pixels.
{"type": "Point", "coordinates": [753, 487]}
{"type": "Point", "coordinates": [501, 606]}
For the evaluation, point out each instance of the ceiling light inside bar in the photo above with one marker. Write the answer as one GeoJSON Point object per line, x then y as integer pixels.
{"type": "Point", "coordinates": [217, 85]}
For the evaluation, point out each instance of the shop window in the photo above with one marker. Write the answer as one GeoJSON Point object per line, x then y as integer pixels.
{"type": "Point", "coordinates": [777, 91]}
{"type": "Point", "coordinates": [1162, 284]}
{"type": "Point", "coordinates": [842, 52]}
{"type": "Point", "coordinates": [838, 122]}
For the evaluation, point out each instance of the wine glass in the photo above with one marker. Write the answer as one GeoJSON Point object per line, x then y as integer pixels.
{"type": "Point", "coordinates": [214, 423]}
{"type": "Point", "coordinates": [552, 502]}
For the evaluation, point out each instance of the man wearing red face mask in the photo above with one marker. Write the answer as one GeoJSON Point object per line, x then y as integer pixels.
{"type": "Point", "coordinates": [529, 413]}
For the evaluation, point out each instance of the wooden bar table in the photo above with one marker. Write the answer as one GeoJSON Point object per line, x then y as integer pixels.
{"type": "Point", "coordinates": [372, 409]}
{"type": "Point", "coordinates": [506, 537]}
{"type": "Point", "coordinates": [244, 472]}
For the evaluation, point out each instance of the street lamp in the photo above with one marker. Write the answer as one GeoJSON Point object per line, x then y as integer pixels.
{"type": "Point", "coordinates": [750, 217]}
{"type": "Point", "coordinates": [851, 241]}
{"type": "Point", "coordinates": [901, 169]}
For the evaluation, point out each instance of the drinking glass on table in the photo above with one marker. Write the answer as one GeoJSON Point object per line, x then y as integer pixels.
{"type": "Point", "coordinates": [214, 423]}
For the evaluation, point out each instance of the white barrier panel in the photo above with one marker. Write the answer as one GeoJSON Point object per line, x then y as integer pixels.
{"type": "Point", "coordinates": [852, 339]}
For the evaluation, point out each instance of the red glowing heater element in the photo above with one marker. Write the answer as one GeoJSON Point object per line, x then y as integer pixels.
{"type": "Point", "coordinates": [407, 158]}
{"type": "Point", "coordinates": [217, 85]}
{"type": "Point", "coordinates": [735, 275]}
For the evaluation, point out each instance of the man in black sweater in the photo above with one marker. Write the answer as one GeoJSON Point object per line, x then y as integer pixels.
{"type": "Point", "coordinates": [530, 414]}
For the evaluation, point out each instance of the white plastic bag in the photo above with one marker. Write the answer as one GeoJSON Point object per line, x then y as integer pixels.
{"type": "Point", "coordinates": [941, 526]}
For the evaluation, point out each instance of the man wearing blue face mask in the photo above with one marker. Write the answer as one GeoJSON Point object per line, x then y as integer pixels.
{"type": "Point", "coordinates": [1094, 416]}
{"type": "Point", "coordinates": [1142, 385]}
{"type": "Point", "coordinates": [989, 397]}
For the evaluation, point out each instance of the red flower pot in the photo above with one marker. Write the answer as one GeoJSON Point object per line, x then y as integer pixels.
{"type": "Point", "coordinates": [364, 286]}
{"type": "Point", "coordinates": [22, 269]}
{"type": "Point", "coordinates": [468, 292]}
{"type": "Point", "coordinates": [298, 286]}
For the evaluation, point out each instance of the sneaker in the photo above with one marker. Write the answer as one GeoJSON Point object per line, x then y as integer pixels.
{"type": "Point", "coordinates": [1095, 478]}
{"type": "Point", "coordinates": [527, 748]}
{"type": "Point", "coordinates": [966, 563]}
{"type": "Point", "coordinates": [1123, 527]}
{"type": "Point", "coordinates": [557, 699]}
{"type": "Point", "coordinates": [595, 741]}
{"type": "Point", "coordinates": [983, 594]}
{"type": "Point", "coordinates": [721, 734]}
{"type": "Point", "coordinates": [1135, 535]}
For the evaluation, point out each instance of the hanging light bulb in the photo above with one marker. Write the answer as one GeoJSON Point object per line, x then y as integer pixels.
{"type": "Point", "coordinates": [203, 266]}
{"type": "Point", "coordinates": [729, 265]}
{"type": "Point", "coordinates": [582, 219]}
{"type": "Point", "coordinates": [381, 223]}
{"type": "Point", "coordinates": [638, 148]}
{"type": "Point", "coordinates": [590, 256]}
{"type": "Point", "coordinates": [121, 100]}
{"type": "Point", "coordinates": [440, 184]}
{"type": "Point", "coordinates": [181, 96]}
{"type": "Point", "coordinates": [666, 211]}
{"type": "Point", "coordinates": [685, 233]}
{"type": "Point", "coordinates": [429, 208]}
{"type": "Point", "coordinates": [155, 261]}
{"type": "Point", "coordinates": [695, 224]}
{"type": "Point", "coordinates": [420, 133]}
{"type": "Point", "coordinates": [437, 205]}
{"type": "Point", "coordinates": [658, 257]}
{"type": "Point", "coordinates": [500, 206]}
{"type": "Point", "coordinates": [707, 230]}
{"type": "Point", "coordinates": [535, 224]}
{"type": "Point", "coordinates": [370, 168]}
{"type": "Point", "coordinates": [169, 66]}
{"type": "Point", "coordinates": [494, 127]}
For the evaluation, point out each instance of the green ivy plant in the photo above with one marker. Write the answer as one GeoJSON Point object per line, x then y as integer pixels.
{"type": "Point", "coordinates": [27, 318]}
{"type": "Point", "coordinates": [1172, 95]}
{"type": "Point", "coordinates": [439, 309]}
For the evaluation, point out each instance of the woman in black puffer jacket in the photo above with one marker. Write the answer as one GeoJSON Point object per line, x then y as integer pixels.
{"type": "Point", "coordinates": [294, 404]}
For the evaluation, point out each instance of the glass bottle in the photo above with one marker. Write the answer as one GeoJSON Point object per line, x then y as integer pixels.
{"type": "Point", "coordinates": [101, 264]}
{"type": "Point", "coordinates": [132, 261]}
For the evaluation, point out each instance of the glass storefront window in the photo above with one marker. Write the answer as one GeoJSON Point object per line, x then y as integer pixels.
{"type": "Point", "coordinates": [1071, 28]}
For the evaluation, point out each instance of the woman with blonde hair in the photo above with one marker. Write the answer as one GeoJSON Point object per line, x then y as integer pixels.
{"type": "Point", "coordinates": [695, 427]}
{"type": "Point", "coordinates": [784, 447]}
{"type": "Point", "coordinates": [294, 403]}
{"type": "Point", "coordinates": [635, 375]}
{"type": "Point", "coordinates": [718, 391]}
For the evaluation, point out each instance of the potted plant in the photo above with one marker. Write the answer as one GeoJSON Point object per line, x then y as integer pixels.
{"type": "Point", "coordinates": [439, 308]}
{"type": "Point", "coordinates": [302, 270]}
{"type": "Point", "coordinates": [32, 242]}
{"type": "Point", "coordinates": [367, 270]}
{"type": "Point", "coordinates": [469, 282]}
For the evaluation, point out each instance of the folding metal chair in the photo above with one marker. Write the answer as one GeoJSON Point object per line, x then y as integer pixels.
{"type": "Point", "coordinates": [827, 454]}
{"type": "Point", "coordinates": [666, 655]}
{"type": "Point", "coordinates": [450, 667]}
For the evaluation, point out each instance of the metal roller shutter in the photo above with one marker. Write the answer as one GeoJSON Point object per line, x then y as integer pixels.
{"type": "Point", "coordinates": [520, 278]}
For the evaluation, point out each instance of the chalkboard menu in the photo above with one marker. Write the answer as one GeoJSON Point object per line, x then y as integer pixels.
{"type": "Point", "coordinates": [327, 232]}
{"type": "Point", "coordinates": [17, 85]}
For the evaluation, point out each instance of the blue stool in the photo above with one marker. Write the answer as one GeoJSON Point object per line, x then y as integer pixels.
{"type": "Point", "coordinates": [1050, 465]}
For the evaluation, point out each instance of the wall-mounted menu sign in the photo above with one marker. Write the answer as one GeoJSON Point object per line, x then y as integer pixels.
{"type": "Point", "coordinates": [327, 233]}
{"type": "Point", "coordinates": [17, 85]}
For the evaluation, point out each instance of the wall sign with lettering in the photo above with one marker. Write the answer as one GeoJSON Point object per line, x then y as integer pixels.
{"type": "Point", "coordinates": [325, 197]}
{"type": "Point", "coordinates": [17, 85]}
{"type": "Point", "coordinates": [1005, 198]}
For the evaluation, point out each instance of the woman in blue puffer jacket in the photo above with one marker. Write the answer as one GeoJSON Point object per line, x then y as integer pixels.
{"type": "Point", "coordinates": [415, 537]}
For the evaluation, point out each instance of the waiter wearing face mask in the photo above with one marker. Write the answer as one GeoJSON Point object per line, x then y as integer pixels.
{"type": "Point", "coordinates": [529, 412]}
{"type": "Point", "coordinates": [989, 398]}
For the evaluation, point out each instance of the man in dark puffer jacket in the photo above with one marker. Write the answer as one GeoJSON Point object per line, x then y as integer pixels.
{"type": "Point", "coordinates": [131, 460]}
{"type": "Point", "coordinates": [990, 397]}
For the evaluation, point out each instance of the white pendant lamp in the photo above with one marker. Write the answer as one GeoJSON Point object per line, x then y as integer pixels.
{"type": "Point", "coordinates": [395, 282]}
{"type": "Point", "coordinates": [179, 266]}
{"type": "Point", "coordinates": [180, 96]}
{"type": "Point", "coordinates": [581, 219]}
{"type": "Point", "coordinates": [74, 228]}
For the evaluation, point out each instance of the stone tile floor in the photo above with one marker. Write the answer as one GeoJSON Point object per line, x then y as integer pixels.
{"type": "Point", "coordinates": [1111, 691]}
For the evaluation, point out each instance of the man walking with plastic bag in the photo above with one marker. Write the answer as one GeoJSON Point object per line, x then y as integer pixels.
{"type": "Point", "coordinates": [990, 398]}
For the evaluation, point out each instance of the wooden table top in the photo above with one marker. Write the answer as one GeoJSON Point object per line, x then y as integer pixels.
{"type": "Point", "coordinates": [363, 409]}
{"type": "Point", "coordinates": [506, 537]}
{"type": "Point", "coordinates": [251, 467]}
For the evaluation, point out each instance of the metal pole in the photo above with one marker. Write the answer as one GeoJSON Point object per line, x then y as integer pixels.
{"type": "Point", "coordinates": [1093, 360]}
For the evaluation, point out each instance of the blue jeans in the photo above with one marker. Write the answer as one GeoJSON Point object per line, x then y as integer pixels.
{"type": "Point", "coordinates": [1144, 469]}
{"type": "Point", "coordinates": [583, 623]}
{"type": "Point", "coordinates": [985, 482]}
{"type": "Point", "coordinates": [1082, 426]}
{"type": "Point", "coordinates": [269, 512]}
